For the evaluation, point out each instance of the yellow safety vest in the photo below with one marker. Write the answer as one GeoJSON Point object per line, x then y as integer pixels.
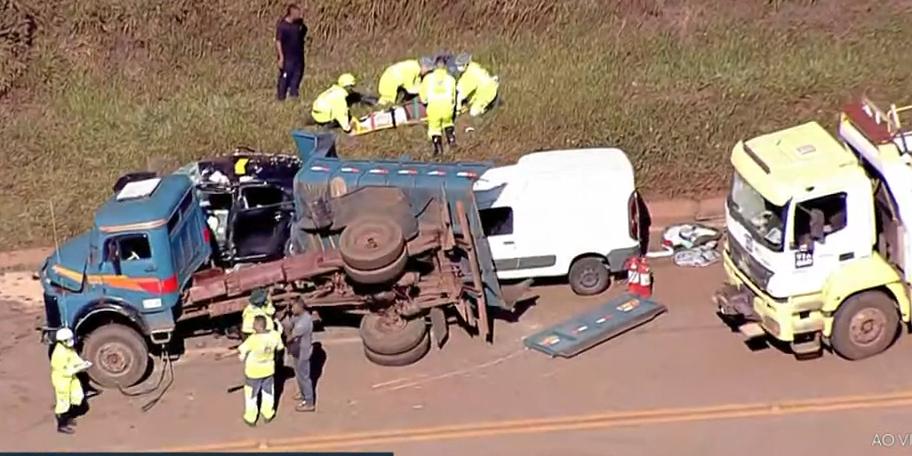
{"type": "Point", "coordinates": [331, 105]}
{"type": "Point", "coordinates": [259, 354]}
{"type": "Point", "coordinates": [252, 311]}
{"type": "Point", "coordinates": [406, 74]}
{"type": "Point", "coordinates": [438, 88]}
{"type": "Point", "coordinates": [471, 80]}
{"type": "Point", "coordinates": [64, 360]}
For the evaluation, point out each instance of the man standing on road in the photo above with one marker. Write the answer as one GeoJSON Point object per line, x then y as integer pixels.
{"type": "Point", "coordinates": [65, 364]}
{"type": "Point", "coordinates": [301, 347]}
{"type": "Point", "coordinates": [258, 353]}
{"type": "Point", "coordinates": [289, 41]}
{"type": "Point", "coordinates": [438, 92]}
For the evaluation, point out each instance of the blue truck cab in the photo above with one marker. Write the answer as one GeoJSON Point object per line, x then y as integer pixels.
{"type": "Point", "coordinates": [119, 285]}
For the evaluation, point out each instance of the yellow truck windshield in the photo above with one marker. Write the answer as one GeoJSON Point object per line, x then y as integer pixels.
{"type": "Point", "coordinates": [763, 219]}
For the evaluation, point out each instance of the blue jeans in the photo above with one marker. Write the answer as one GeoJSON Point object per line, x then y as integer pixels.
{"type": "Point", "coordinates": [305, 383]}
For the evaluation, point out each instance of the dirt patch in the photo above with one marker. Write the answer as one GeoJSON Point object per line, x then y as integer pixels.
{"type": "Point", "coordinates": [20, 291]}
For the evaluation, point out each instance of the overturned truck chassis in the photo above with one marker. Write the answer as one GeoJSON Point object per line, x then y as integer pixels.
{"type": "Point", "coordinates": [442, 270]}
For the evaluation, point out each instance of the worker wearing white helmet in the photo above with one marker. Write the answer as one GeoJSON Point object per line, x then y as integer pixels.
{"type": "Point", "coordinates": [438, 93]}
{"type": "Point", "coordinates": [65, 364]}
{"type": "Point", "coordinates": [331, 108]}
{"type": "Point", "coordinates": [476, 86]}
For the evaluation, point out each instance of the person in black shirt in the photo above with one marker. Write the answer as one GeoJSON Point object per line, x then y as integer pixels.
{"type": "Point", "coordinates": [290, 35]}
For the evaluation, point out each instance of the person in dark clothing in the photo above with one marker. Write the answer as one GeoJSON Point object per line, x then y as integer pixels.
{"type": "Point", "coordinates": [289, 40]}
{"type": "Point", "coordinates": [301, 347]}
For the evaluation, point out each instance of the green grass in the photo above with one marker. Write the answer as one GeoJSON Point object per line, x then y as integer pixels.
{"type": "Point", "coordinates": [676, 94]}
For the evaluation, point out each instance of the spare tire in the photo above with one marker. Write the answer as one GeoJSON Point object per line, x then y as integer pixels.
{"type": "Point", "coordinates": [403, 359]}
{"type": "Point", "coordinates": [386, 274]}
{"type": "Point", "coordinates": [385, 338]}
{"type": "Point", "coordinates": [371, 242]}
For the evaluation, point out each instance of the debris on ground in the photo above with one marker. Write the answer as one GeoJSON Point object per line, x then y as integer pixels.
{"type": "Point", "coordinates": [690, 245]}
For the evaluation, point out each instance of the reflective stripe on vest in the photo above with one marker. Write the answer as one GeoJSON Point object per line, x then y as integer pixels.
{"type": "Point", "coordinates": [442, 90]}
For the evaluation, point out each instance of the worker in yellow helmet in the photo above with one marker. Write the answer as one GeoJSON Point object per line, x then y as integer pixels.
{"type": "Point", "coordinates": [476, 86]}
{"type": "Point", "coordinates": [400, 81]}
{"type": "Point", "coordinates": [65, 364]}
{"type": "Point", "coordinates": [331, 108]}
{"type": "Point", "coordinates": [258, 353]}
{"type": "Point", "coordinates": [438, 92]}
{"type": "Point", "coordinates": [259, 305]}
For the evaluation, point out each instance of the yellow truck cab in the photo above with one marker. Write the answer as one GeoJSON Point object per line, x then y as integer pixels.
{"type": "Point", "coordinates": [814, 254]}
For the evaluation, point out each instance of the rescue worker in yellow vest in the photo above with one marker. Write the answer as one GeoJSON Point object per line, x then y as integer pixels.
{"type": "Point", "coordinates": [400, 81]}
{"type": "Point", "coordinates": [258, 353]}
{"type": "Point", "coordinates": [438, 92]}
{"type": "Point", "coordinates": [65, 364]}
{"type": "Point", "coordinates": [260, 305]}
{"type": "Point", "coordinates": [331, 108]}
{"type": "Point", "coordinates": [476, 86]}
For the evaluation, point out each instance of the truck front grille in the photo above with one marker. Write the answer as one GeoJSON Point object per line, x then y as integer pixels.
{"type": "Point", "coordinates": [750, 267]}
{"type": "Point", "coordinates": [51, 312]}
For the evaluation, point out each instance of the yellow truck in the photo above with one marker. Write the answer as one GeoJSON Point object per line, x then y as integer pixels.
{"type": "Point", "coordinates": [816, 253]}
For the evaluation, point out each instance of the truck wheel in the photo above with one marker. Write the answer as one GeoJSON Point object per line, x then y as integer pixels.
{"type": "Point", "coordinates": [385, 336]}
{"type": "Point", "coordinates": [403, 359]}
{"type": "Point", "coordinates": [371, 243]}
{"type": "Point", "coordinates": [865, 325]}
{"type": "Point", "coordinates": [383, 275]}
{"type": "Point", "coordinates": [589, 276]}
{"type": "Point", "coordinates": [119, 356]}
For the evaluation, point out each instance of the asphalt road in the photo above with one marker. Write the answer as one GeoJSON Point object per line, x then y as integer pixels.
{"type": "Point", "coordinates": [684, 383]}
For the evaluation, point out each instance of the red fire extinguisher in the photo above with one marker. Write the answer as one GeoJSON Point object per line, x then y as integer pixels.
{"type": "Point", "coordinates": [639, 277]}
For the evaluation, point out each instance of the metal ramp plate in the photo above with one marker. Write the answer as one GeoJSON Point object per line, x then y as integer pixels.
{"type": "Point", "coordinates": [582, 332]}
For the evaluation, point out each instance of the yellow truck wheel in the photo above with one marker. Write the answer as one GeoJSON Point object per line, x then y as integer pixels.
{"type": "Point", "coordinates": [865, 325]}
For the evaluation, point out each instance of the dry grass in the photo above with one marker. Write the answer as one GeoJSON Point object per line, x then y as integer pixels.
{"type": "Point", "coordinates": [108, 84]}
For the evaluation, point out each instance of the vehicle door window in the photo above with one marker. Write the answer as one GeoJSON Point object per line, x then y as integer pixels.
{"type": "Point", "coordinates": [134, 247]}
{"type": "Point", "coordinates": [261, 196]}
{"type": "Point", "coordinates": [497, 221]}
{"type": "Point", "coordinates": [824, 216]}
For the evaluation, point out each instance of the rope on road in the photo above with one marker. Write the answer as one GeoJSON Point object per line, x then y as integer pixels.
{"type": "Point", "coordinates": [167, 368]}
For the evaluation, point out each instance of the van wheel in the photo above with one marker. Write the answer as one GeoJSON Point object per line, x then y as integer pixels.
{"type": "Point", "coordinates": [371, 243]}
{"type": "Point", "coordinates": [865, 325]}
{"type": "Point", "coordinates": [391, 336]}
{"type": "Point", "coordinates": [403, 359]}
{"type": "Point", "coordinates": [119, 356]}
{"type": "Point", "coordinates": [589, 276]}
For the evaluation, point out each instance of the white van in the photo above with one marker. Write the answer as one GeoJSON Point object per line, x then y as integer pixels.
{"type": "Point", "coordinates": [559, 213]}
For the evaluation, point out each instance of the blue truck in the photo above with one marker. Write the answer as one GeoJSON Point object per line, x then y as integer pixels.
{"type": "Point", "coordinates": [395, 241]}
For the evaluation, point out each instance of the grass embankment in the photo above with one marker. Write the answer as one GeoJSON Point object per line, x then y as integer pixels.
{"type": "Point", "coordinates": [106, 85]}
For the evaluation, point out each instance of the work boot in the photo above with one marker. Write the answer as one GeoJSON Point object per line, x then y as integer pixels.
{"type": "Point", "coordinates": [451, 136]}
{"type": "Point", "coordinates": [305, 407]}
{"type": "Point", "coordinates": [438, 145]}
{"type": "Point", "coordinates": [63, 425]}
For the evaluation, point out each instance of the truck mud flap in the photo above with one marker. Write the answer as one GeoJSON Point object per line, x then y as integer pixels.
{"type": "Point", "coordinates": [584, 331]}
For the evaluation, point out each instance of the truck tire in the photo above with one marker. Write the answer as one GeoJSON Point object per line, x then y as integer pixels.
{"type": "Point", "coordinates": [865, 325]}
{"type": "Point", "coordinates": [383, 338]}
{"type": "Point", "coordinates": [386, 274]}
{"type": "Point", "coordinates": [589, 276]}
{"type": "Point", "coordinates": [371, 242]}
{"type": "Point", "coordinates": [119, 356]}
{"type": "Point", "coordinates": [403, 359]}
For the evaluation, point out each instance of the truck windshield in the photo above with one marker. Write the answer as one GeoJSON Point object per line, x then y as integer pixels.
{"type": "Point", "coordinates": [763, 219]}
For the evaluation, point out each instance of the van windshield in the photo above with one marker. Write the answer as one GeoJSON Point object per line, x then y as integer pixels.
{"type": "Point", "coordinates": [763, 219]}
